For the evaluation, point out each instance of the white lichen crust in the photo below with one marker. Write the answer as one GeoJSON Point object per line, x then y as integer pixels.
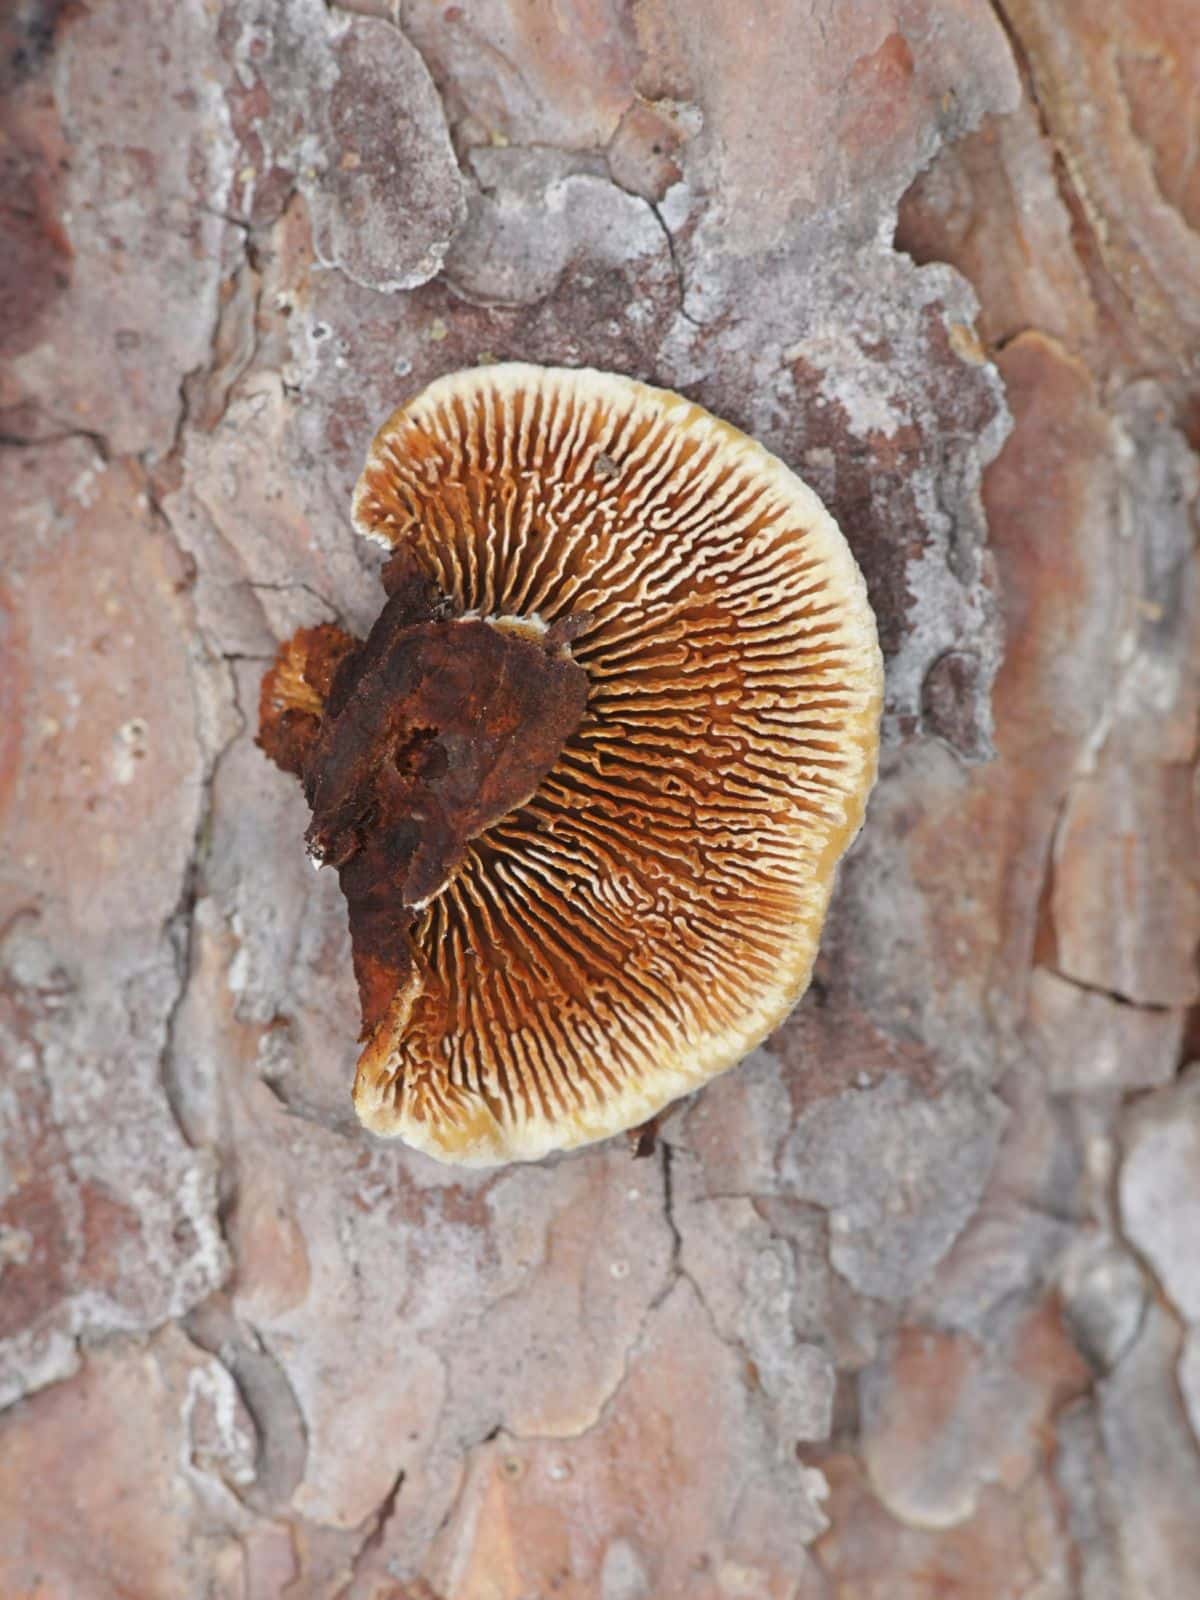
{"type": "Point", "coordinates": [654, 910]}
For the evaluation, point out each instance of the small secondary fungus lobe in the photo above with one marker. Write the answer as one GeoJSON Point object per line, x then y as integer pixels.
{"type": "Point", "coordinates": [587, 780]}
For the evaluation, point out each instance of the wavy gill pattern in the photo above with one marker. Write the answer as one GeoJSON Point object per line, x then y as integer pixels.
{"type": "Point", "coordinates": [653, 911]}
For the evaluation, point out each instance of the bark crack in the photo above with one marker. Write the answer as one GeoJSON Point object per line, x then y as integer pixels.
{"type": "Point", "coordinates": [1155, 1007]}
{"type": "Point", "coordinates": [377, 1524]}
{"type": "Point", "coordinates": [18, 441]}
{"type": "Point", "coordinates": [287, 586]}
{"type": "Point", "coordinates": [676, 264]}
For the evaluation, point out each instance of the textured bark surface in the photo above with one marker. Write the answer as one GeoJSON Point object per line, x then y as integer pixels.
{"type": "Point", "coordinates": [908, 1304]}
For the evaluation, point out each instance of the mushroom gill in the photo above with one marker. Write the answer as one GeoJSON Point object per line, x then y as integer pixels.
{"type": "Point", "coordinates": [587, 781]}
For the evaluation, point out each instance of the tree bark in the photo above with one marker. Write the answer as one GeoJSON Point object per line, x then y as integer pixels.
{"type": "Point", "coordinates": [909, 1302]}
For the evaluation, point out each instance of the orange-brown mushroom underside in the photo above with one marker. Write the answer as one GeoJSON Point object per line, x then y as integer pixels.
{"type": "Point", "coordinates": [587, 781]}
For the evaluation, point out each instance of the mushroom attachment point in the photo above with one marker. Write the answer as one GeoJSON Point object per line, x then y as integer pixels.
{"type": "Point", "coordinates": [587, 780]}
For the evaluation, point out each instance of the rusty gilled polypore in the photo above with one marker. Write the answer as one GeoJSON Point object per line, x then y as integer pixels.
{"type": "Point", "coordinates": [587, 780]}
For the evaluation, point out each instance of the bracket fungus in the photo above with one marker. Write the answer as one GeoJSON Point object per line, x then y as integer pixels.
{"type": "Point", "coordinates": [588, 778]}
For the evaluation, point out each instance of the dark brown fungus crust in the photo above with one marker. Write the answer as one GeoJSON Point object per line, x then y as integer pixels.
{"type": "Point", "coordinates": [587, 780]}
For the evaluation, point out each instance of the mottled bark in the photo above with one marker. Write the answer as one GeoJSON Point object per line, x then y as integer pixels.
{"type": "Point", "coordinates": [908, 1303]}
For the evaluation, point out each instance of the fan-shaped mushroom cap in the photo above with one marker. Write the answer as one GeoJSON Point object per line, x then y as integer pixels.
{"type": "Point", "coordinates": [651, 910]}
